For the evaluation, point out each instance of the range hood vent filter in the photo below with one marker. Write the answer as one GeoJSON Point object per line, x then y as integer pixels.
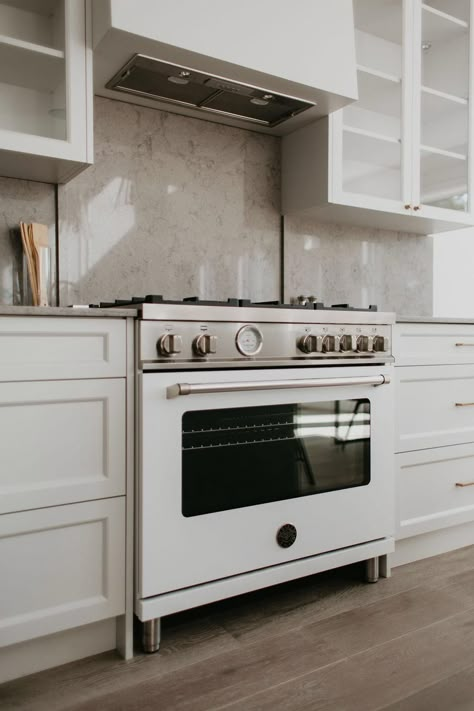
{"type": "Point", "coordinates": [162, 81]}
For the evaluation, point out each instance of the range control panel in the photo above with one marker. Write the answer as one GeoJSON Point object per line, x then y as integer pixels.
{"type": "Point", "coordinates": [164, 343]}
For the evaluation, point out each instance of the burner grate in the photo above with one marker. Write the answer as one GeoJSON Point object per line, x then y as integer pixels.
{"type": "Point", "coordinates": [238, 303]}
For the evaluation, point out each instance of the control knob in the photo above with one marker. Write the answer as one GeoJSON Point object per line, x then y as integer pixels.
{"type": "Point", "coordinates": [347, 342]}
{"type": "Point", "coordinates": [169, 344]}
{"type": "Point", "coordinates": [205, 344]}
{"type": "Point", "coordinates": [380, 343]}
{"type": "Point", "coordinates": [365, 344]}
{"type": "Point", "coordinates": [310, 343]}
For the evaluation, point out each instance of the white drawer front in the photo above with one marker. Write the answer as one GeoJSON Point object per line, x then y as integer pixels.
{"type": "Point", "coordinates": [434, 406]}
{"type": "Point", "coordinates": [61, 442]}
{"type": "Point", "coordinates": [61, 568]}
{"type": "Point", "coordinates": [433, 343]}
{"type": "Point", "coordinates": [37, 348]}
{"type": "Point", "coordinates": [429, 495]}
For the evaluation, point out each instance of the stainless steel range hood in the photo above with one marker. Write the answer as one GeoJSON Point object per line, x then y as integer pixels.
{"type": "Point", "coordinates": [183, 86]}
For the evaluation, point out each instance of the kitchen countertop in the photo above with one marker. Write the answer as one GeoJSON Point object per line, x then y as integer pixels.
{"type": "Point", "coordinates": [432, 319]}
{"type": "Point", "coordinates": [7, 310]}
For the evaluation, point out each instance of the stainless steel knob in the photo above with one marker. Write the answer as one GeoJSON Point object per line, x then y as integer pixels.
{"type": "Point", "coordinates": [380, 343]}
{"type": "Point", "coordinates": [347, 343]}
{"type": "Point", "coordinates": [205, 344]}
{"type": "Point", "coordinates": [328, 344]}
{"type": "Point", "coordinates": [310, 343]}
{"type": "Point", "coordinates": [169, 344]}
{"type": "Point", "coordinates": [365, 344]}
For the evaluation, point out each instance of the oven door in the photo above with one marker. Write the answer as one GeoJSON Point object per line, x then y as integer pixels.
{"type": "Point", "coordinates": [244, 470]}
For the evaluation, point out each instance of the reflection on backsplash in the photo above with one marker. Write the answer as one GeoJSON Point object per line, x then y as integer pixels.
{"type": "Point", "coordinates": [20, 200]}
{"type": "Point", "coordinates": [340, 264]}
{"type": "Point", "coordinates": [173, 205]}
{"type": "Point", "coordinates": [185, 207]}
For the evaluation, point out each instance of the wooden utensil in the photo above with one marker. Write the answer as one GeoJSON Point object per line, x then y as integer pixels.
{"type": "Point", "coordinates": [40, 241]}
{"type": "Point", "coordinates": [30, 261]}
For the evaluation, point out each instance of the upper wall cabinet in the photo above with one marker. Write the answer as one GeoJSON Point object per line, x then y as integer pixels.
{"type": "Point", "coordinates": [232, 61]}
{"type": "Point", "coordinates": [398, 158]}
{"type": "Point", "coordinates": [45, 89]}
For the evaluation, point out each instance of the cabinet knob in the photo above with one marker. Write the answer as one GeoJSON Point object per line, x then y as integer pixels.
{"type": "Point", "coordinates": [407, 207]}
{"type": "Point", "coordinates": [417, 207]}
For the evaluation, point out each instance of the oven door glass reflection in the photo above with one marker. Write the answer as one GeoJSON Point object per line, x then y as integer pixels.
{"type": "Point", "coordinates": [240, 457]}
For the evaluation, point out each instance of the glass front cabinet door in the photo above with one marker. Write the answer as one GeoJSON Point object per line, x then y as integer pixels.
{"type": "Point", "coordinates": [45, 89]}
{"type": "Point", "coordinates": [399, 157]}
{"type": "Point", "coordinates": [404, 146]}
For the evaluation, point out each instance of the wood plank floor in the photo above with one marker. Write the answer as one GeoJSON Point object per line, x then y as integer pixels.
{"type": "Point", "coordinates": [325, 642]}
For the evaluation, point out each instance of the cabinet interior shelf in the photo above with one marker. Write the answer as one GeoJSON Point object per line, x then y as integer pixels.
{"type": "Point", "coordinates": [440, 27]}
{"type": "Point", "coordinates": [437, 98]}
{"type": "Point", "coordinates": [379, 92]}
{"type": "Point", "coordinates": [378, 74]}
{"type": "Point", "coordinates": [371, 147]}
{"type": "Point", "coordinates": [30, 65]}
{"type": "Point", "coordinates": [452, 155]}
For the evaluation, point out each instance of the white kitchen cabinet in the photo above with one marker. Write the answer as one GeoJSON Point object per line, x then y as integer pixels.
{"type": "Point", "coordinates": [434, 440]}
{"type": "Point", "coordinates": [58, 348]}
{"type": "Point", "coordinates": [61, 567]}
{"type": "Point", "coordinates": [434, 406]}
{"type": "Point", "coordinates": [435, 489]}
{"type": "Point", "coordinates": [399, 157]}
{"type": "Point", "coordinates": [434, 343]}
{"type": "Point", "coordinates": [62, 442]}
{"type": "Point", "coordinates": [45, 89]}
{"type": "Point", "coordinates": [66, 488]}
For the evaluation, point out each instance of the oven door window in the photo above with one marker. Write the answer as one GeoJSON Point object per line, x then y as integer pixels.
{"type": "Point", "coordinates": [240, 457]}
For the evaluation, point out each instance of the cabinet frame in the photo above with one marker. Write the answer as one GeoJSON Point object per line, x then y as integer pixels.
{"type": "Point", "coordinates": [73, 153]}
{"type": "Point", "coordinates": [312, 158]}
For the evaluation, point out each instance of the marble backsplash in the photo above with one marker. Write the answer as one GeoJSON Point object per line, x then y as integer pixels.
{"type": "Point", "coordinates": [182, 206]}
{"type": "Point", "coordinates": [172, 205]}
{"type": "Point", "coordinates": [21, 200]}
{"type": "Point", "coordinates": [337, 264]}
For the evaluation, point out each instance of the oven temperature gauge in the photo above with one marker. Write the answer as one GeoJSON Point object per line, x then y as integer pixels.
{"type": "Point", "coordinates": [249, 340]}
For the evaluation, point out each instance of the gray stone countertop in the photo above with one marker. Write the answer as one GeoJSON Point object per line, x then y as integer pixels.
{"type": "Point", "coordinates": [7, 310]}
{"type": "Point", "coordinates": [432, 319]}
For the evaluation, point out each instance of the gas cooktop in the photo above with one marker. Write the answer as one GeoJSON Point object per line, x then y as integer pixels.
{"type": "Point", "coordinates": [308, 303]}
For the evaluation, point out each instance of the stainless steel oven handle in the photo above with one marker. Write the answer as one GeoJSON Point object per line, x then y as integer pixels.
{"type": "Point", "coordinates": [244, 386]}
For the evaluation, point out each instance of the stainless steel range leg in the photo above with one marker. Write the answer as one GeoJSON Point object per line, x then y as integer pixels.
{"type": "Point", "coordinates": [151, 635]}
{"type": "Point", "coordinates": [372, 570]}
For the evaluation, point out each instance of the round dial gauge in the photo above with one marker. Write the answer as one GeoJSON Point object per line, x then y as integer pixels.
{"type": "Point", "coordinates": [249, 340]}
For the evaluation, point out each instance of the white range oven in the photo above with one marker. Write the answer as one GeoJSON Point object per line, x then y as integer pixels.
{"type": "Point", "coordinates": [265, 440]}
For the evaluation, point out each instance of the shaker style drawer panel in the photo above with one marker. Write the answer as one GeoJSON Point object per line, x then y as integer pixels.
{"type": "Point", "coordinates": [61, 442]}
{"type": "Point", "coordinates": [435, 488]}
{"type": "Point", "coordinates": [61, 568]}
{"type": "Point", "coordinates": [434, 406]}
{"type": "Point", "coordinates": [433, 343]}
{"type": "Point", "coordinates": [37, 348]}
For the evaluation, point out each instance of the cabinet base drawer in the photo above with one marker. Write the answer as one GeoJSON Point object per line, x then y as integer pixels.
{"type": "Point", "coordinates": [433, 343]}
{"type": "Point", "coordinates": [435, 489]}
{"type": "Point", "coordinates": [61, 567]}
{"type": "Point", "coordinates": [434, 406]}
{"type": "Point", "coordinates": [62, 442]}
{"type": "Point", "coordinates": [56, 348]}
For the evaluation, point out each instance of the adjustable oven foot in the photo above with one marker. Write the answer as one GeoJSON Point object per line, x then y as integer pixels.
{"type": "Point", "coordinates": [151, 635]}
{"type": "Point", "coordinates": [372, 570]}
